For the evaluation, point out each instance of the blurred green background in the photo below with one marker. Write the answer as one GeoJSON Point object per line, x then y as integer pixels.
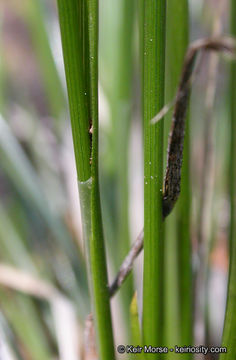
{"type": "Point", "coordinates": [43, 288]}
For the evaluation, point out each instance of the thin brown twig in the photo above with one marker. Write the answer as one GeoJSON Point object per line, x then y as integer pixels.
{"type": "Point", "coordinates": [172, 178]}
{"type": "Point", "coordinates": [127, 264]}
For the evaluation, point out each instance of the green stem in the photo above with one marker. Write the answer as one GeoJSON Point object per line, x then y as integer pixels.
{"type": "Point", "coordinates": [185, 248]}
{"type": "Point", "coordinates": [121, 115]}
{"type": "Point", "coordinates": [230, 316]}
{"type": "Point", "coordinates": [180, 36]}
{"type": "Point", "coordinates": [97, 250]}
{"type": "Point", "coordinates": [178, 261]}
{"type": "Point", "coordinates": [119, 92]}
{"type": "Point", "coordinates": [72, 44]}
{"type": "Point", "coordinates": [153, 100]}
{"type": "Point", "coordinates": [79, 31]}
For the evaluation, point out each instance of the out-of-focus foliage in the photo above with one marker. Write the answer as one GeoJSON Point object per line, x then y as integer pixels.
{"type": "Point", "coordinates": [43, 286]}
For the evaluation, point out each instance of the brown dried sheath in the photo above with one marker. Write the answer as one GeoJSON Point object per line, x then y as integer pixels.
{"type": "Point", "coordinates": [172, 179]}
{"type": "Point", "coordinates": [176, 140]}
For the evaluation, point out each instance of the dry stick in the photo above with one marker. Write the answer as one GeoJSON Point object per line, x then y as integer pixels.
{"type": "Point", "coordinates": [127, 264]}
{"type": "Point", "coordinates": [175, 146]}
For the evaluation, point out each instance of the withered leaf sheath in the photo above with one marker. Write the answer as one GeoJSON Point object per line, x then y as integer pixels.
{"type": "Point", "coordinates": [176, 139]}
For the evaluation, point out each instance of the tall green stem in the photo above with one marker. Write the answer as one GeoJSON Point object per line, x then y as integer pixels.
{"type": "Point", "coordinates": [117, 24]}
{"type": "Point", "coordinates": [177, 235]}
{"type": "Point", "coordinates": [185, 247]}
{"type": "Point", "coordinates": [97, 250]}
{"type": "Point", "coordinates": [72, 43]}
{"type": "Point", "coordinates": [121, 117]}
{"type": "Point", "coordinates": [180, 37]}
{"type": "Point", "coordinates": [79, 31]}
{"type": "Point", "coordinates": [153, 100]}
{"type": "Point", "coordinates": [230, 316]}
